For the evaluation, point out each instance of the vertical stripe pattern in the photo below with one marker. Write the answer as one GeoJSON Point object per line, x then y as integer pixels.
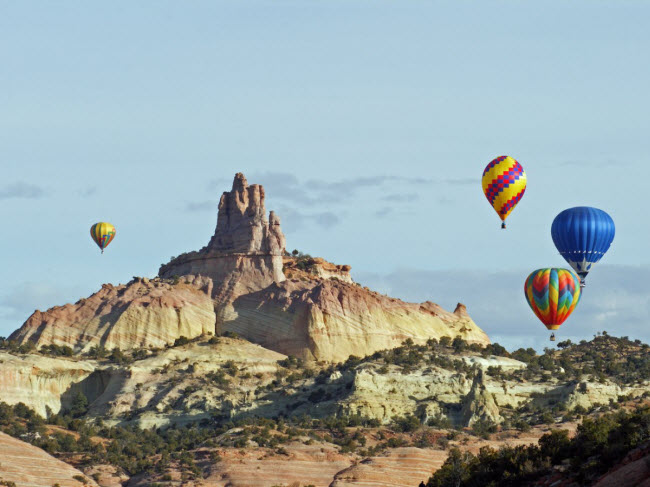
{"type": "Point", "coordinates": [552, 294]}
{"type": "Point", "coordinates": [102, 233]}
{"type": "Point", "coordinates": [582, 235]}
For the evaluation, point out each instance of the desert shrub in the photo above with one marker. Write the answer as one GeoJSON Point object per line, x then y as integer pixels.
{"type": "Point", "coordinates": [598, 444]}
{"type": "Point", "coordinates": [407, 423]}
{"type": "Point", "coordinates": [79, 405]}
{"type": "Point", "coordinates": [458, 344]}
{"type": "Point", "coordinates": [439, 421]}
{"type": "Point", "coordinates": [484, 428]}
{"type": "Point", "coordinates": [181, 340]}
{"type": "Point", "coordinates": [56, 350]}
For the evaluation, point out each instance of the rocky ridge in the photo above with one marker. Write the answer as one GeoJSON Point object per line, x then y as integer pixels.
{"type": "Point", "coordinates": [237, 284]}
{"type": "Point", "coordinates": [141, 314]}
{"type": "Point", "coordinates": [215, 381]}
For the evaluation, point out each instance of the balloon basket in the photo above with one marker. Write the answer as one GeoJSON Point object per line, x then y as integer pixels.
{"type": "Point", "coordinates": [503, 226]}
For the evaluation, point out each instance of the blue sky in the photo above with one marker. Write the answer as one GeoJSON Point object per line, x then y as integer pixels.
{"type": "Point", "coordinates": [368, 122]}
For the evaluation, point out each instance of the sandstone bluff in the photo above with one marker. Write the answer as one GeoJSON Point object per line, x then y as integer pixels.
{"type": "Point", "coordinates": [245, 282]}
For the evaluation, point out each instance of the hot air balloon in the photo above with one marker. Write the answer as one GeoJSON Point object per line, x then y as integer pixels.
{"type": "Point", "coordinates": [504, 183]}
{"type": "Point", "coordinates": [582, 235]}
{"type": "Point", "coordinates": [552, 294]}
{"type": "Point", "coordinates": [103, 234]}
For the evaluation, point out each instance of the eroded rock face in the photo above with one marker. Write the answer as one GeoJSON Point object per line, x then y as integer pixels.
{"type": "Point", "coordinates": [245, 252]}
{"type": "Point", "coordinates": [384, 395]}
{"type": "Point", "coordinates": [324, 319]}
{"type": "Point", "coordinates": [479, 404]}
{"type": "Point", "coordinates": [242, 226]}
{"type": "Point", "coordinates": [237, 283]}
{"type": "Point", "coordinates": [315, 268]}
{"type": "Point", "coordinates": [43, 383]}
{"type": "Point", "coordinates": [395, 468]}
{"type": "Point", "coordinates": [143, 313]}
{"type": "Point", "coordinates": [302, 465]}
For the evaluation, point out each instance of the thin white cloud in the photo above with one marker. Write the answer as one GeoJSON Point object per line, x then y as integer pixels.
{"type": "Point", "coordinates": [288, 187]}
{"type": "Point", "coordinates": [21, 190]}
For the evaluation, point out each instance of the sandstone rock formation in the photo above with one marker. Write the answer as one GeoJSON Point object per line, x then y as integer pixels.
{"type": "Point", "coordinates": [242, 226]}
{"type": "Point", "coordinates": [319, 313]}
{"type": "Point", "coordinates": [43, 383]}
{"type": "Point", "coordinates": [328, 320]}
{"type": "Point", "coordinates": [245, 252]}
{"type": "Point", "coordinates": [479, 404]}
{"type": "Point", "coordinates": [26, 465]}
{"type": "Point", "coordinates": [314, 268]}
{"type": "Point", "coordinates": [237, 283]}
{"type": "Point", "coordinates": [148, 391]}
{"type": "Point", "coordinates": [142, 313]}
{"type": "Point", "coordinates": [301, 465]}
{"type": "Point", "coordinates": [632, 471]}
{"type": "Point", "coordinates": [395, 468]}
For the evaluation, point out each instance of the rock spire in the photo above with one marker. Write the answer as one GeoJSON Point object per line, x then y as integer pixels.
{"type": "Point", "coordinates": [242, 226]}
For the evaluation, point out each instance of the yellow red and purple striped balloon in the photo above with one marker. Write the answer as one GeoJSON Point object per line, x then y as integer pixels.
{"type": "Point", "coordinates": [552, 294]}
{"type": "Point", "coordinates": [102, 233]}
{"type": "Point", "coordinates": [504, 183]}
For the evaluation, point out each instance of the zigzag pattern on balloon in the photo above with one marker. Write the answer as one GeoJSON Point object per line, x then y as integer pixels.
{"type": "Point", "coordinates": [504, 184]}
{"type": "Point", "coordinates": [510, 205]}
{"type": "Point", "coordinates": [503, 181]}
{"type": "Point", "coordinates": [552, 294]}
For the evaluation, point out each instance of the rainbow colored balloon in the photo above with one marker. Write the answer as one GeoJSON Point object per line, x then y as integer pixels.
{"type": "Point", "coordinates": [552, 294]}
{"type": "Point", "coordinates": [102, 233]}
{"type": "Point", "coordinates": [504, 184]}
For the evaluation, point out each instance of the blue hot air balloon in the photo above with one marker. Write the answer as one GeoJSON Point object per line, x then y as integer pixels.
{"type": "Point", "coordinates": [582, 235]}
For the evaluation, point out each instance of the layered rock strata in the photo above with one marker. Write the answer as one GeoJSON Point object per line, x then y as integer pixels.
{"type": "Point", "coordinates": [329, 320]}
{"type": "Point", "coordinates": [143, 313]}
{"type": "Point", "coordinates": [237, 283]}
{"type": "Point", "coordinates": [245, 252]}
{"type": "Point", "coordinates": [315, 268]}
{"type": "Point", "coordinates": [395, 468]}
{"type": "Point", "coordinates": [43, 383]}
{"type": "Point", "coordinates": [26, 465]}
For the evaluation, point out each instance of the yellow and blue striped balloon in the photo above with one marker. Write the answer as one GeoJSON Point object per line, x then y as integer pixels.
{"type": "Point", "coordinates": [504, 183]}
{"type": "Point", "coordinates": [102, 233]}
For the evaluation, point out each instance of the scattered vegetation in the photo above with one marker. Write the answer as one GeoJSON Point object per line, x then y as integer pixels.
{"type": "Point", "coordinates": [599, 444]}
{"type": "Point", "coordinates": [303, 262]}
{"type": "Point", "coordinates": [136, 451]}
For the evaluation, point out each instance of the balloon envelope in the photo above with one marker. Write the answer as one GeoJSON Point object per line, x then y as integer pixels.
{"type": "Point", "coordinates": [552, 294]}
{"type": "Point", "coordinates": [103, 234]}
{"type": "Point", "coordinates": [504, 183]}
{"type": "Point", "coordinates": [582, 235]}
